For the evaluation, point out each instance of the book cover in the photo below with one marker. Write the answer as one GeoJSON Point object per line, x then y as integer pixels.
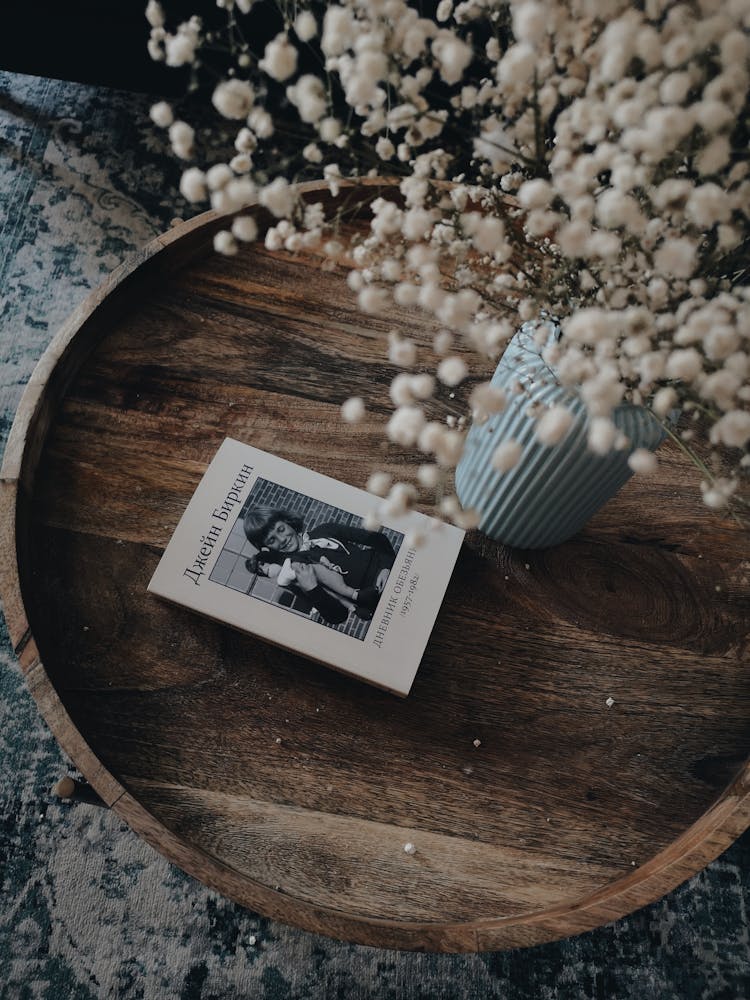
{"type": "Point", "coordinates": [282, 552]}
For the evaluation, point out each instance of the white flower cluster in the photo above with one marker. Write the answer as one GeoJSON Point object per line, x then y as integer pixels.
{"type": "Point", "coordinates": [569, 159]}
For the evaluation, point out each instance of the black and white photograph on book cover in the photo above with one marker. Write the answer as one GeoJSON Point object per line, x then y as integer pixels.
{"type": "Point", "coordinates": [308, 557]}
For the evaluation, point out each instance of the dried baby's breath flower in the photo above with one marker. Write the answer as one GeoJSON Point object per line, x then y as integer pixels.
{"type": "Point", "coordinates": [218, 176]}
{"type": "Point", "coordinates": [422, 386]}
{"type": "Point", "coordinates": [405, 425]}
{"type": "Point", "coordinates": [467, 519]}
{"type": "Point", "coordinates": [379, 483]}
{"type": "Point", "coordinates": [155, 14]}
{"type": "Point", "coordinates": [644, 462]}
{"type": "Point", "coordinates": [241, 163]}
{"type": "Point", "coordinates": [400, 499]}
{"type": "Point", "coordinates": [506, 456]}
{"type": "Point", "coordinates": [353, 410]}
{"type": "Point", "coordinates": [245, 228]}
{"type": "Point", "coordinates": [278, 197]}
{"type": "Point", "coordinates": [443, 342]}
{"type": "Point", "coordinates": [279, 59]}
{"type": "Point", "coordinates": [429, 476]}
{"type": "Point", "coordinates": [193, 184]}
{"type": "Point", "coordinates": [601, 435]}
{"type": "Point", "coordinates": [451, 371]}
{"type": "Point", "coordinates": [449, 506]}
{"type": "Point", "coordinates": [485, 400]}
{"type": "Point", "coordinates": [313, 153]}
{"type": "Point", "coordinates": [402, 351]}
{"type": "Point", "coordinates": [161, 114]}
{"type": "Point", "coordinates": [305, 26]}
{"type": "Point", "coordinates": [554, 424]}
{"type": "Point", "coordinates": [233, 98]}
{"type": "Point", "coordinates": [225, 243]}
{"type": "Point", "coordinates": [181, 136]}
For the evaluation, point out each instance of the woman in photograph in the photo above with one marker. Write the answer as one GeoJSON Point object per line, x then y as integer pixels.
{"type": "Point", "coordinates": [336, 566]}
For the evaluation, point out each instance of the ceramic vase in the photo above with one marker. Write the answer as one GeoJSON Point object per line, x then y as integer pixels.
{"type": "Point", "coordinates": [553, 490]}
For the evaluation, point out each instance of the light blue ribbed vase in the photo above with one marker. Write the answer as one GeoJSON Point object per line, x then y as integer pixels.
{"type": "Point", "coordinates": [553, 491]}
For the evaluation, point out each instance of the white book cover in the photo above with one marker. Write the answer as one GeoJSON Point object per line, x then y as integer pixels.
{"type": "Point", "coordinates": [282, 552]}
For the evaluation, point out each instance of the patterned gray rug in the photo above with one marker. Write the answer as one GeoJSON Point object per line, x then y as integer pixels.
{"type": "Point", "coordinates": [86, 909]}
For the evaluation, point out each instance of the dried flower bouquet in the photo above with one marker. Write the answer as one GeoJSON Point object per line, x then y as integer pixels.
{"type": "Point", "coordinates": [585, 160]}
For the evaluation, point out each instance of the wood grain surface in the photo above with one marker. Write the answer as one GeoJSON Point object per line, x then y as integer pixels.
{"type": "Point", "coordinates": [568, 814]}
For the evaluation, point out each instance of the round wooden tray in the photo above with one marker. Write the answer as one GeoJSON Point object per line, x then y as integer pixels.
{"type": "Point", "coordinates": [568, 815]}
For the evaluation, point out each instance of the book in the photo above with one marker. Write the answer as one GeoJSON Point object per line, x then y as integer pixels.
{"type": "Point", "coordinates": [284, 553]}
